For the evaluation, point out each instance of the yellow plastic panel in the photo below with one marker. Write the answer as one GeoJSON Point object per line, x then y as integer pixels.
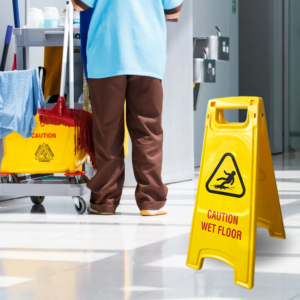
{"type": "Point", "coordinates": [225, 216]}
{"type": "Point", "coordinates": [49, 150]}
{"type": "Point", "coordinates": [268, 207]}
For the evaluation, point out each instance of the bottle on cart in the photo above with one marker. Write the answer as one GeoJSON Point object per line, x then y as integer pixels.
{"type": "Point", "coordinates": [76, 19]}
{"type": "Point", "coordinates": [62, 18]}
{"type": "Point", "coordinates": [35, 18]}
{"type": "Point", "coordinates": [51, 17]}
{"type": "Point", "coordinates": [41, 18]}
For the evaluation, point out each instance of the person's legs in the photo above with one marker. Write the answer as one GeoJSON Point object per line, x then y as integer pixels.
{"type": "Point", "coordinates": [144, 97]}
{"type": "Point", "coordinates": [107, 97]}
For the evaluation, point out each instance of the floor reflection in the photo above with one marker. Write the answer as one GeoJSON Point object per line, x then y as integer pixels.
{"type": "Point", "coordinates": [38, 209]}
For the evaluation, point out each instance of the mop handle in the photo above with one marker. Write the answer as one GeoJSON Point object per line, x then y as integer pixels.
{"type": "Point", "coordinates": [65, 56]}
{"type": "Point", "coordinates": [16, 13]}
{"type": "Point", "coordinates": [71, 56]}
{"type": "Point", "coordinates": [6, 47]}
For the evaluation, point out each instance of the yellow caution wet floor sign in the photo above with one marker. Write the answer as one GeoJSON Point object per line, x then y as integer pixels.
{"type": "Point", "coordinates": [236, 190]}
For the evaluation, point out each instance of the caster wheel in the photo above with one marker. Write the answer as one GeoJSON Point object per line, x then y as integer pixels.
{"type": "Point", "coordinates": [72, 180]}
{"type": "Point", "coordinates": [84, 179]}
{"type": "Point", "coordinates": [4, 179]}
{"type": "Point", "coordinates": [80, 205]}
{"type": "Point", "coordinates": [37, 199]}
{"type": "Point", "coordinates": [16, 179]}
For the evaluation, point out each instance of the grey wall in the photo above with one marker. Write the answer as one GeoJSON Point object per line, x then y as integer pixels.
{"type": "Point", "coordinates": [261, 61]}
{"type": "Point", "coordinates": [206, 15]}
{"type": "Point", "coordinates": [178, 160]}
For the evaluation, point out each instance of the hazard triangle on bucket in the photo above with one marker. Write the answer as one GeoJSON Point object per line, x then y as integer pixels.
{"type": "Point", "coordinates": [226, 179]}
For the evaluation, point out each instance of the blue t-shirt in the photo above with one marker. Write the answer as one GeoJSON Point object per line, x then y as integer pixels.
{"type": "Point", "coordinates": [128, 37]}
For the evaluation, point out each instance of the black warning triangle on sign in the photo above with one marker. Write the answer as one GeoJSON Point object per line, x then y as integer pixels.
{"type": "Point", "coordinates": [226, 179]}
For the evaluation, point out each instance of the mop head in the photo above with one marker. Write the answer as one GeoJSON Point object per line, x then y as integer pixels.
{"type": "Point", "coordinates": [84, 133]}
{"type": "Point", "coordinates": [58, 115]}
{"type": "Point", "coordinates": [80, 119]}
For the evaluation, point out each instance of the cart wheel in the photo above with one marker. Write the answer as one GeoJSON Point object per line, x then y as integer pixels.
{"type": "Point", "coordinates": [37, 199]}
{"type": "Point", "coordinates": [84, 179]}
{"type": "Point", "coordinates": [4, 179]}
{"type": "Point", "coordinates": [72, 180]}
{"type": "Point", "coordinates": [80, 205]}
{"type": "Point", "coordinates": [16, 179]}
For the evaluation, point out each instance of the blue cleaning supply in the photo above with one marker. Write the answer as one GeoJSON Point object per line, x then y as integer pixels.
{"type": "Point", "coordinates": [6, 47]}
{"type": "Point", "coordinates": [16, 13]}
{"type": "Point", "coordinates": [85, 20]}
{"type": "Point", "coordinates": [21, 96]}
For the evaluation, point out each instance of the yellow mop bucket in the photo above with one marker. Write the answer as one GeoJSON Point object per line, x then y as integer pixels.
{"type": "Point", "coordinates": [49, 150]}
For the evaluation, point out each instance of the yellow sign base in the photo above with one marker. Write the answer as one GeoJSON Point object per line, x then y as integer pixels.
{"type": "Point", "coordinates": [236, 190]}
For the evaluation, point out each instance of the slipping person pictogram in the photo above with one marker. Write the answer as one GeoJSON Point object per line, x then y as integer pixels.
{"type": "Point", "coordinates": [228, 180]}
{"type": "Point", "coordinates": [232, 184]}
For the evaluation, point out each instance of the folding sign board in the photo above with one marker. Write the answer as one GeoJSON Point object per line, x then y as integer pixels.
{"type": "Point", "coordinates": [236, 190]}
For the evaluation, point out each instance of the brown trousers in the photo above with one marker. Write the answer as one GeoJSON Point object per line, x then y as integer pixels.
{"type": "Point", "coordinates": [144, 97]}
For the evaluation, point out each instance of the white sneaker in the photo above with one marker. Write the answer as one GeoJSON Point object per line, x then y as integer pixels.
{"type": "Point", "coordinates": [163, 211]}
{"type": "Point", "coordinates": [95, 212]}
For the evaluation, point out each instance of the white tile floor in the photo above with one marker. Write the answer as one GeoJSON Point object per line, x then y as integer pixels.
{"type": "Point", "coordinates": [57, 254]}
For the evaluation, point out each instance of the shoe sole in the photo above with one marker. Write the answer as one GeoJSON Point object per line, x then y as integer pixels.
{"type": "Point", "coordinates": [99, 213]}
{"type": "Point", "coordinates": [147, 213]}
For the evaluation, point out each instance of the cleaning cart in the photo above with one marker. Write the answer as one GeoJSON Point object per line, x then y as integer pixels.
{"type": "Point", "coordinates": [30, 166]}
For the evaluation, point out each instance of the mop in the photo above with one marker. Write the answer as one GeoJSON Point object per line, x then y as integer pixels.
{"type": "Point", "coordinates": [60, 114]}
{"type": "Point", "coordinates": [6, 47]}
{"type": "Point", "coordinates": [16, 13]}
